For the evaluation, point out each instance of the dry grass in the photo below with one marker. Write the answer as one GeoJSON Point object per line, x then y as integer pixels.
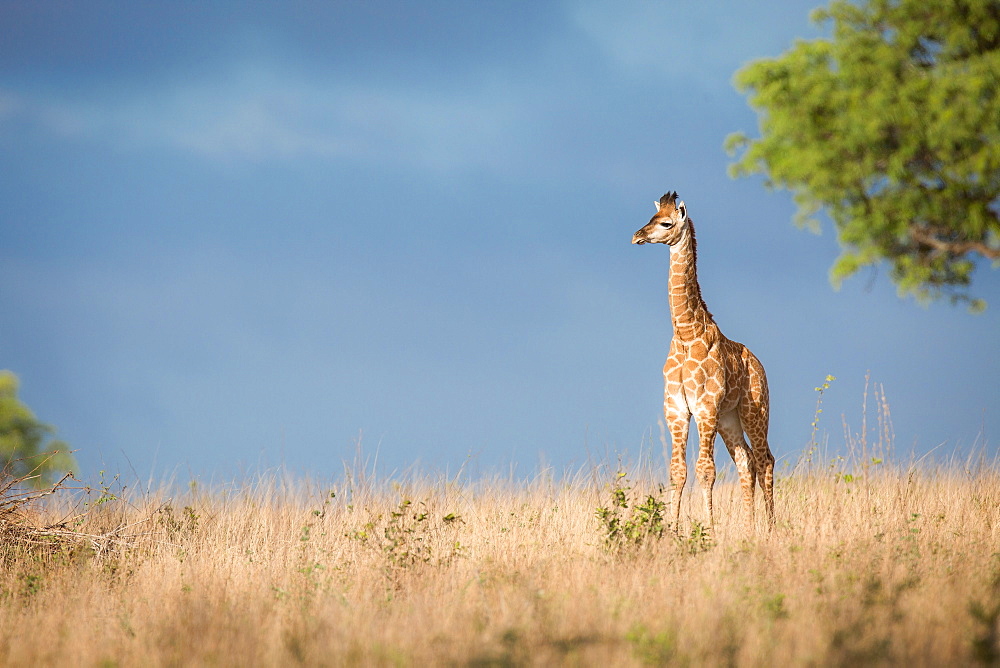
{"type": "Point", "coordinates": [892, 567]}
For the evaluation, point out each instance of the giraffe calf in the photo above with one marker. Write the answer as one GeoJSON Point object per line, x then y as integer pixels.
{"type": "Point", "coordinates": [707, 376]}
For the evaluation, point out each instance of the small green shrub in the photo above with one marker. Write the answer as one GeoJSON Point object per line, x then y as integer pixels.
{"type": "Point", "coordinates": [653, 649]}
{"type": "Point", "coordinates": [628, 527]}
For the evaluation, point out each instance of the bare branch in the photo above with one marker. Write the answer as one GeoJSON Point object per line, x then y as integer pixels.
{"type": "Point", "coordinates": [927, 236]}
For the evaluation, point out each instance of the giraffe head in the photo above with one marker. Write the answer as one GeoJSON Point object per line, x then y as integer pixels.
{"type": "Point", "coordinates": [667, 226]}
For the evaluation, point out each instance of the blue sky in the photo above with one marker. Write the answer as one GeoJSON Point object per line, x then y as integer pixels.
{"type": "Point", "coordinates": [239, 235]}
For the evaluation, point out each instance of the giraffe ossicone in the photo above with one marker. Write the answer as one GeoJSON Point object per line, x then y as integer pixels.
{"type": "Point", "coordinates": [715, 380]}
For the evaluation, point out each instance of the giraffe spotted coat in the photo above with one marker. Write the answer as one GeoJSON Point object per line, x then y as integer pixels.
{"type": "Point", "coordinates": [707, 376]}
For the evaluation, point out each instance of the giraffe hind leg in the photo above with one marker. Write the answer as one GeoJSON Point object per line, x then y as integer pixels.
{"type": "Point", "coordinates": [731, 430]}
{"type": "Point", "coordinates": [767, 481]}
{"type": "Point", "coordinates": [754, 420]}
{"type": "Point", "coordinates": [754, 412]}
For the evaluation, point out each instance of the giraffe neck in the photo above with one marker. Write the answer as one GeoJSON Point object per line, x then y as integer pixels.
{"type": "Point", "coordinates": [688, 313]}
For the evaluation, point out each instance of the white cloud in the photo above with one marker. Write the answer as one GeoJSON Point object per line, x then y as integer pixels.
{"type": "Point", "coordinates": [698, 44]}
{"type": "Point", "coordinates": [636, 36]}
{"type": "Point", "coordinates": [249, 114]}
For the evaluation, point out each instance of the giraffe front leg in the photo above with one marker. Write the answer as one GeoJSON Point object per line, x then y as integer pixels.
{"type": "Point", "coordinates": [678, 422]}
{"type": "Point", "coordinates": [705, 466]}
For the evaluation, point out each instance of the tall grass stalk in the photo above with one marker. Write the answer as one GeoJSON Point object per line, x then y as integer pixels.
{"type": "Point", "coordinates": [899, 565]}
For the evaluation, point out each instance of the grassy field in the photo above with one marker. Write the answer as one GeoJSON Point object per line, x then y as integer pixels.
{"type": "Point", "coordinates": [880, 566]}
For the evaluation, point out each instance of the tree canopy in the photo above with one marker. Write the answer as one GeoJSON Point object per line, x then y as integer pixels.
{"type": "Point", "coordinates": [892, 127]}
{"type": "Point", "coordinates": [24, 452]}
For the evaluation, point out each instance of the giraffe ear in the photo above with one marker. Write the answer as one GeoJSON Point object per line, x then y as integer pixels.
{"type": "Point", "coordinates": [657, 205]}
{"type": "Point", "coordinates": [682, 210]}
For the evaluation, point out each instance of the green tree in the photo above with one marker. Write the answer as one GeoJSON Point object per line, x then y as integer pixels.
{"type": "Point", "coordinates": [892, 126]}
{"type": "Point", "coordinates": [23, 451]}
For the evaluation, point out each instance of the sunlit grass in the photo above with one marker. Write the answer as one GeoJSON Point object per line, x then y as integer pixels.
{"type": "Point", "coordinates": [872, 561]}
{"type": "Point", "coordinates": [881, 564]}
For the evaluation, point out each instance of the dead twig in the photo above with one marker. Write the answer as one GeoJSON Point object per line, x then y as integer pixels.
{"type": "Point", "coordinates": [18, 526]}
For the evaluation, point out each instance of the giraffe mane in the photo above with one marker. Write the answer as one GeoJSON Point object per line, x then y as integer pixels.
{"type": "Point", "coordinates": [694, 260]}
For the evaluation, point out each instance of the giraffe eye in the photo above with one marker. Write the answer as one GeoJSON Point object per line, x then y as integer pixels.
{"type": "Point", "coordinates": [667, 224]}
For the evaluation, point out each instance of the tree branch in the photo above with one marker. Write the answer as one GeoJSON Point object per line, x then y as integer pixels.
{"type": "Point", "coordinates": [927, 236]}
